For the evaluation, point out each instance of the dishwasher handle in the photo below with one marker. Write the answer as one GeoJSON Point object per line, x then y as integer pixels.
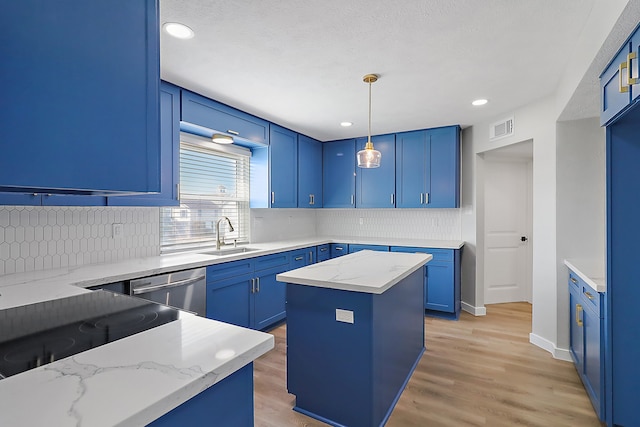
{"type": "Point", "coordinates": [143, 289]}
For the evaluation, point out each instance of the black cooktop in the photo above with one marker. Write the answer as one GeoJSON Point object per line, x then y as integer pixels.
{"type": "Point", "coordinates": [37, 334]}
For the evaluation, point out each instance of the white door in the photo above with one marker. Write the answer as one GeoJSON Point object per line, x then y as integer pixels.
{"type": "Point", "coordinates": [507, 223]}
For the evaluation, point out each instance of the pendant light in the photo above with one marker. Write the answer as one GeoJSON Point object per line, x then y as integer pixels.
{"type": "Point", "coordinates": [369, 157]}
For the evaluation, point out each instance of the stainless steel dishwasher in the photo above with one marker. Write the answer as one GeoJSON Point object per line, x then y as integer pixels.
{"type": "Point", "coordinates": [186, 290]}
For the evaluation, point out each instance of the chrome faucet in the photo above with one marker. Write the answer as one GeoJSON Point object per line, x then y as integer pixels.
{"type": "Point", "coordinates": [218, 242]}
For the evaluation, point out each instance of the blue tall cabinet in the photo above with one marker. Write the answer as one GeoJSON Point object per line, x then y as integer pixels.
{"type": "Point", "coordinates": [80, 108]}
{"type": "Point", "coordinates": [621, 113]}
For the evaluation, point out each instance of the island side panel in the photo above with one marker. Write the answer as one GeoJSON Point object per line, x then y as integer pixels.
{"type": "Point", "coordinates": [329, 363]}
{"type": "Point", "coordinates": [226, 403]}
{"type": "Point", "coordinates": [398, 341]}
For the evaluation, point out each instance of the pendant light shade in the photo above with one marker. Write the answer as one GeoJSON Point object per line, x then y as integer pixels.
{"type": "Point", "coordinates": [369, 157]}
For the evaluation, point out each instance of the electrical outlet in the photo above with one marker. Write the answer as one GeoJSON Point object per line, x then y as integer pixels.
{"type": "Point", "coordinates": [117, 230]}
{"type": "Point", "coordinates": [345, 316]}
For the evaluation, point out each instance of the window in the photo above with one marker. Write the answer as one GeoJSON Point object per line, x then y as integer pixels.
{"type": "Point", "coordinates": [214, 183]}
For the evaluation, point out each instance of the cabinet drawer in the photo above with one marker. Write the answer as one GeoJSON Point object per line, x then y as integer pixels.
{"type": "Point", "coordinates": [205, 112]}
{"type": "Point", "coordinates": [269, 261]}
{"type": "Point", "coordinates": [324, 252]}
{"type": "Point", "coordinates": [229, 269]}
{"type": "Point", "coordinates": [301, 257]}
{"type": "Point", "coordinates": [592, 299]}
{"type": "Point", "coordinates": [356, 248]}
{"type": "Point", "coordinates": [338, 249]}
{"type": "Point", "coordinates": [445, 255]}
{"type": "Point", "coordinates": [574, 281]}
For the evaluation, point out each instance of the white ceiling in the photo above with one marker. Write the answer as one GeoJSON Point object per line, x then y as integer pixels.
{"type": "Point", "coordinates": [300, 63]}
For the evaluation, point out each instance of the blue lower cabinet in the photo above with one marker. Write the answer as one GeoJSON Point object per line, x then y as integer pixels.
{"type": "Point", "coordinates": [587, 336]}
{"type": "Point", "coordinates": [269, 298]}
{"type": "Point", "coordinates": [246, 293]}
{"type": "Point", "coordinates": [227, 403]}
{"type": "Point", "coordinates": [338, 249]}
{"type": "Point", "coordinates": [356, 248]}
{"type": "Point", "coordinates": [441, 281]}
{"type": "Point", "coordinates": [303, 257]}
{"type": "Point", "coordinates": [323, 252]}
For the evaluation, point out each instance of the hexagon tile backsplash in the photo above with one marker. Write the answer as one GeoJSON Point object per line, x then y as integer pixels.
{"type": "Point", "coordinates": [40, 238]}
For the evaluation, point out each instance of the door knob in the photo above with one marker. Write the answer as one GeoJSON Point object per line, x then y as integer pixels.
{"type": "Point", "coordinates": [523, 238]}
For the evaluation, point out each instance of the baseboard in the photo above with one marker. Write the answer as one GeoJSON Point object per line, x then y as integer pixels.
{"type": "Point", "coordinates": [476, 311]}
{"type": "Point", "coordinates": [545, 344]}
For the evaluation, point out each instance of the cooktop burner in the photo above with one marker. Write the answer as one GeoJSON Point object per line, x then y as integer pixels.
{"type": "Point", "coordinates": [37, 334]}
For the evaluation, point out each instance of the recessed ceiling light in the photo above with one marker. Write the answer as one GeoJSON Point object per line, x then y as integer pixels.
{"type": "Point", "coordinates": [345, 124]}
{"type": "Point", "coordinates": [479, 102]}
{"type": "Point", "coordinates": [177, 30]}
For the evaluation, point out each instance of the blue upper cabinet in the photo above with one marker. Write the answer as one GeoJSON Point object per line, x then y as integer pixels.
{"type": "Point", "coordinates": [620, 81]}
{"type": "Point", "coordinates": [80, 97]}
{"type": "Point", "coordinates": [283, 165]}
{"type": "Point", "coordinates": [309, 172]}
{"type": "Point", "coordinates": [169, 154]}
{"type": "Point", "coordinates": [428, 168]}
{"type": "Point", "coordinates": [338, 173]}
{"type": "Point", "coordinates": [213, 115]}
{"type": "Point", "coordinates": [375, 188]}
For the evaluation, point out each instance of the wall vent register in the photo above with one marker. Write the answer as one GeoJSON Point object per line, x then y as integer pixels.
{"type": "Point", "coordinates": [501, 129]}
{"type": "Point", "coordinates": [42, 333]}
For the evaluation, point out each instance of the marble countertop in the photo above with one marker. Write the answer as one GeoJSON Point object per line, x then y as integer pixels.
{"type": "Point", "coordinates": [592, 272]}
{"type": "Point", "coordinates": [44, 285]}
{"type": "Point", "coordinates": [365, 271]}
{"type": "Point", "coordinates": [134, 380]}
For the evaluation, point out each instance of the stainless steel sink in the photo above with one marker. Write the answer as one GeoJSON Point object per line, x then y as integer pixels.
{"type": "Point", "coordinates": [230, 251]}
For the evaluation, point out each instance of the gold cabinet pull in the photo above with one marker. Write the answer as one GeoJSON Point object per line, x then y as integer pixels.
{"type": "Point", "coordinates": [622, 87]}
{"type": "Point", "coordinates": [631, 80]}
{"type": "Point", "coordinates": [578, 317]}
{"type": "Point", "coordinates": [589, 295]}
{"type": "Point", "coordinates": [573, 280]}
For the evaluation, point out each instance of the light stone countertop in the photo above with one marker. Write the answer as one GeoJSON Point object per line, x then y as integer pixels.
{"type": "Point", "coordinates": [365, 271]}
{"type": "Point", "coordinates": [134, 380]}
{"type": "Point", "coordinates": [590, 271]}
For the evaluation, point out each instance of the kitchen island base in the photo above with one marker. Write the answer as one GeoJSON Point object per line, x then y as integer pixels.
{"type": "Point", "coordinates": [350, 371]}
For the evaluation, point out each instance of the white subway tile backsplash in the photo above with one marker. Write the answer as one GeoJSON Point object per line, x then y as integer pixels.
{"type": "Point", "coordinates": [436, 224]}
{"type": "Point", "coordinates": [39, 238]}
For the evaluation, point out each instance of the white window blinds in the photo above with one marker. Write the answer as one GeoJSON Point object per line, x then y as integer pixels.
{"type": "Point", "coordinates": [214, 183]}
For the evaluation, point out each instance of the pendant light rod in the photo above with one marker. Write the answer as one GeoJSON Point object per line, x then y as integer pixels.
{"type": "Point", "coordinates": [370, 78]}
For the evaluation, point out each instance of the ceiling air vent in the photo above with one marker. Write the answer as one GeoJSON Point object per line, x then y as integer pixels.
{"type": "Point", "coordinates": [501, 129]}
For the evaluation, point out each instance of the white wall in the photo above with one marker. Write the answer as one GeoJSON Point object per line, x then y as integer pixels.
{"type": "Point", "coordinates": [581, 205]}
{"type": "Point", "coordinates": [39, 238]}
{"type": "Point", "coordinates": [536, 122]}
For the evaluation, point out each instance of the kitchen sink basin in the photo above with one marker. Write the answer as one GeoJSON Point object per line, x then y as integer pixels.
{"type": "Point", "coordinates": [230, 251]}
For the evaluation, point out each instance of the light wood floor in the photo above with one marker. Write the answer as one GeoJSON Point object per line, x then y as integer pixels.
{"type": "Point", "coordinates": [478, 371]}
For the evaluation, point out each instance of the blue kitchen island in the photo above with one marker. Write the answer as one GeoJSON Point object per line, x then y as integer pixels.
{"type": "Point", "coordinates": [355, 333]}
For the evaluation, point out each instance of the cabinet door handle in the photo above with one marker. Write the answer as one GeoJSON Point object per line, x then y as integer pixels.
{"type": "Point", "coordinates": [311, 199]}
{"type": "Point", "coordinates": [339, 248]}
{"type": "Point", "coordinates": [298, 258]}
{"type": "Point", "coordinates": [589, 295]}
{"type": "Point", "coordinates": [392, 198]}
{"type": "Point", "coordinates": [353, 199]}
{"type": "Point", "coordinates": [426, 198]}
{"type": "Point", "coordinates": [578, 316]}
{"type": "Point", "coordinates": [273, 197]}
{"type": "Point", "coordinates": [233, 132]}
{"type": "Point", "coordinates": [253, 286]}
{"type": "Point", "coordinates": [573, 280]}
{"type": "Point", "coordinates": [421, 198]}
{"type": "Point", "coordinates": [631, 80]}
{"type": "Point", "coordinates": [310, 257]}
{"type": "Point", "coordinates": [257, 284]}
{"type": "Point", "coordinates": [621, 75]}
{"type": "Point", "coordinates": [323, 249]}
